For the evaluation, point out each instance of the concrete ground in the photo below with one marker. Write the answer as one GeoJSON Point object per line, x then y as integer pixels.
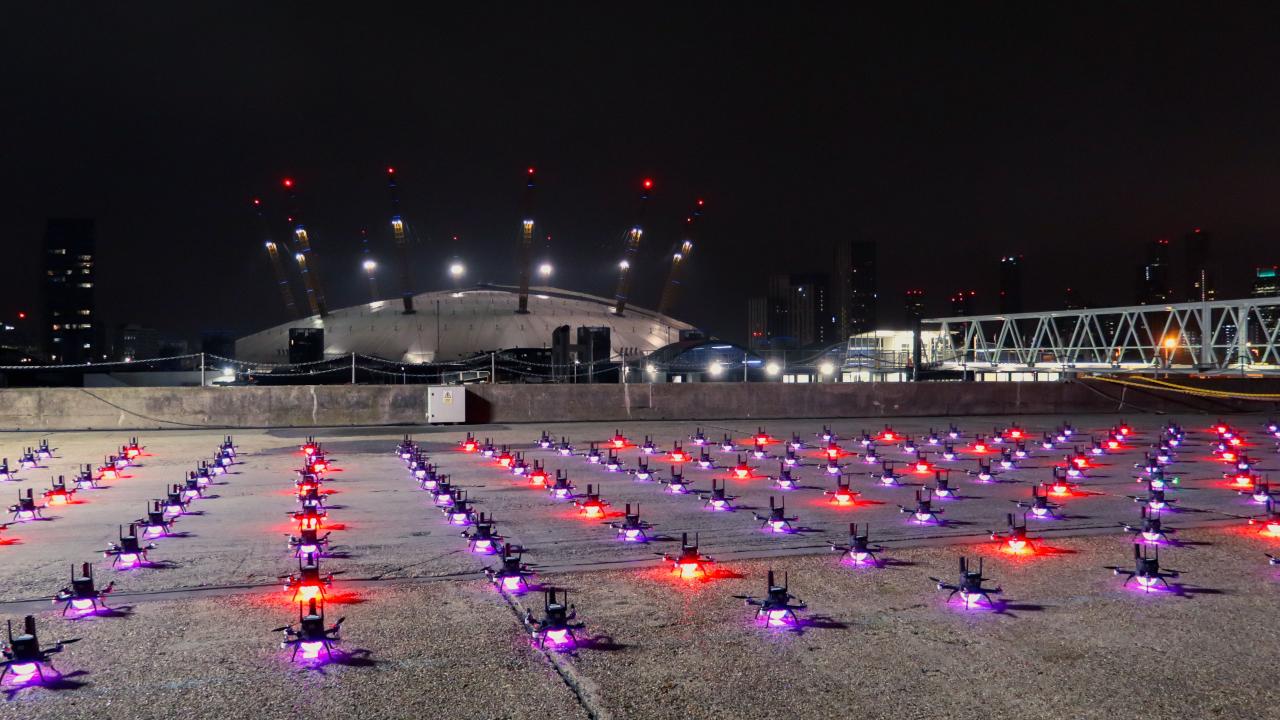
{"type": "Point", "coordinates": [440, 643]}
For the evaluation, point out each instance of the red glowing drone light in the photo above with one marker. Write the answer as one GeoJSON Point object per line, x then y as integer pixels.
{"type": "Point", "coordinates": [647, 184]}
{"type": "Point", "coordinates": [287, 182]}
{"type": "Point", "coordinates": [923, 467]}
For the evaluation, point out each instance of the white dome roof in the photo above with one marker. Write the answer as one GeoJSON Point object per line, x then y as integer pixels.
{"type": "Point", "coordinates": [449, 325]}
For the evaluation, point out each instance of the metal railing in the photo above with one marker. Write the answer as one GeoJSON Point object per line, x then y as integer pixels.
{"type": "Point", "coordinates": [1203, 337]}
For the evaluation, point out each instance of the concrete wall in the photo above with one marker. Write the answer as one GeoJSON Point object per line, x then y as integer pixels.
{"type": "Point", "coordinates": [342, 405]}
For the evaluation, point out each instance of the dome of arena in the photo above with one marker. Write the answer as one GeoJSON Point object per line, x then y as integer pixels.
{"type": "Point", "coordinates": [450, 325]}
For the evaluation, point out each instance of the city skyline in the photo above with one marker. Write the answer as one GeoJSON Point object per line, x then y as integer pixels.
{"type": "Point", "coordinates": [943, 157]}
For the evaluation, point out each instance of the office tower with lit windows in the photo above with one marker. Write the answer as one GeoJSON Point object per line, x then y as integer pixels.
{"type": "Point", "coordinates": [70, 320]}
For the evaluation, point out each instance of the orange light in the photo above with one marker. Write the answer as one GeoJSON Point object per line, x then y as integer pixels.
{"type": "Point", "coordinates": [843, 498]}
{"type": "Point", "coordinates": [1059, 489]}
{"type": "Point", "coordinates": [591, 510]}
{"type": "Point", "coordinates": [742, 472]}
{"type": "Point", "coordinates": [689, 570]}
{"type": "Point", "coordinates": [1112, 445]}
{"type": "Point", "coordinates": [307, 592]}
{"type": "Point", "coordinates": [1272, 529]}
{"type": "Point", "coordinates": [619, 443]}
{"type": "Point", "coordinates": [1243, 481]}
{"type": "Point", "coordinates": [504, 461]}
{"type": "Point", "coordinates": [980, 447]}
{"type": "Point", "coordinates": [1016, 546]}
{"type": "Point", "coordinates": [1015, 433]}
{"type": "Point", "coordinates": [58, 499]}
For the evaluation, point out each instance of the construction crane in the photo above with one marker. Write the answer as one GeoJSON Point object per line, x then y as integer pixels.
{"type": "Point", "coordinates": [402, 245]}
{"type": "Point", "coordinates": [369, 265]}
{"type": "Point", "coordinates": [277, 265]}
{"type": "Point", "coordinates": [305, 257]}
{"type": "Point", "coordinates": [526, 242]}
{"type": "Point", "coordinates": [634, 236]}
{"type": "Point", "coordinates": [679, 257]}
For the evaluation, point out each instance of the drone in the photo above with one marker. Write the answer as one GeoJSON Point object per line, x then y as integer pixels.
{"type": "Point", "coordinates": [155, 523]}
{"type": "Point", "coordinates": [612, 462]}
{"type": "Point", "coordinates": [970, 587]}
{"type": "Point", "coordinates": [564, 447]}
{"type": "Point", "coordinates": [468, 444]}
{"type": "Point", "coordinates": [689, 563]}
{"type": "Point", "coordinates": [407, 448]}
{"type": "Point", "coordinates": [1151, 530]}
{"type": "Point", "coordinates": [544, 441]}
{"type": "Point", "coordinates": [1040, 507]}
{"type": "Point", "coordinates": [887, 476]}
{"type": "Point", "coordinates": [859, 551]}
{"type": "Point", "coordinates": [459, 512]}
{"type": "Point", "coordinates": [561, 489]}
{"type": "Point", "coordinates": [795, 443]}
{"type": "Point", "coordinates": [697, 438]}
{"type": "Point", "coordinates": [776, 521]}
{"type": "Point", "coordinates": [842, 495]}
{"type": "Point", "coordinates": [26, 509]}
{"type": "Point", "coordinates": [1269, 520]}
{"type": "Point", "coordinates": [43, 451]}
{"type": "Point", "coordinates": [228, 447]}
{"type": "Point", "coordinates": [632, 528]}
{"type": "Point", "coordinates": [742, 471]}
{"type": "Point", "coordinates": [1155, 499]}
{"type": "Point", "coordinates": [483, 538]}
{"type": "Point", "coordinates": [593, 454]}
{"type": "Point", "coordinates": [789, 457]}
{"type": "Point", "coordinates": [647, 447]}
{"type": "Point", "coordinates": [308, 583]}
{"type": "Point", "coordinates": [82, 596]}
{"type": "Point", "coordinates": [727, 445]}
{"type": "Point", "coordinates": [131, 450]}
{"type": "Point", "coordinates": [511, 574]}
{"type": "Point", "coordinates": [308, 542]}
{"type": "Point", "coordinates": [827, 434]}
{"type": "Point", "coordinates": [705, 461]}
{"type": "Point", "coordinates": [537, 475]}
{"type": "Point", "coordinates": [923, 513]}
{"type": "Point", "coordinates": [175, 501]}
{"type": "Point", "coordinates": [310, 635]}
{"type": "Point", "coordinates": [784, 481]}
{"type": "Point", "coordinates": [5, 472]}
{"type": "Point", "coordinates": [942, 485]}
{"type": "Point", "coordinates": [24, 658]}
{"type": "Point", "coordinates": [676, 484]}
{"type": "Point", "coordinates": [1146, 569]}
{"type": "Point", "coordinates": [58, 493]}
{"type": "Point", "coordinates": [642, 471]}
{"type": "Point", "coordinates": [590, 505]}
{"type": "Point", "coordinates": [557, 626]}
{"type": "Point", "coordinates": [27, 460]}
{"type": "Point", "coordinates": [619, 440]}
{"type": "Point", "coordinates": [308, 518]}
{"type": "Point", "coordinates": [1260, 493]}
{"type": "Point", "coordinates": [718, 500]}
{"type": "Point", "coordinates": [1015, 538]}
{"type": "Point", "coordinates": [129, 552]}
{"type": "Point", "coordinates": [778, 607]}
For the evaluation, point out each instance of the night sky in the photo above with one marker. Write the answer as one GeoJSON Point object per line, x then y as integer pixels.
{"type": "Point", "coordinates": [948, 137]}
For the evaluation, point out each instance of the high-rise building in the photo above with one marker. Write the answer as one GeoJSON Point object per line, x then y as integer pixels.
{"type": "Point", "coordinates": [914, 306]}
{"type": "Point", "coordinates": [811, 319]}
{"type": "Point", "coordinates": [1153, 276]}
{"type": "Point", "coordinates": [758, 323]}
{"type": "Point", "coordinates": [1266, 284]}
{"type": "Point", "coordinates": [1011, 284]}
{"type": "Point", "coordinates": [135, 342]}
{"type": "Point", "coordinates": [71, 332]}
{"type": "Point", "coordinates": [854, 287]}
{"type": "Point", "coordinates": [796, 312]}
{"type": "Point", "coordinates": [1199, 283]}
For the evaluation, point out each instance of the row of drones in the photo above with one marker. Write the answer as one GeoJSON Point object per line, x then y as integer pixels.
{"type": "Point", "coordinates": [25, 660]}
{"type": "Point", "coordinates": [1010, 443]}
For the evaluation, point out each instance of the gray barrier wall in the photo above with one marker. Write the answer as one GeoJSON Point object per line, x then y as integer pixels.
{"type": "Point", "coordinates": [354, 405]}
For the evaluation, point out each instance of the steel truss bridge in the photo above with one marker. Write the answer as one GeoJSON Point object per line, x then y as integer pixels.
{"type": "Point", "coordinates": [1222, 336]}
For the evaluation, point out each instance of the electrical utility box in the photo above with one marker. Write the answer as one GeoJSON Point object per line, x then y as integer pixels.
{"type": "Point", "coordinates": [446, 404]}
